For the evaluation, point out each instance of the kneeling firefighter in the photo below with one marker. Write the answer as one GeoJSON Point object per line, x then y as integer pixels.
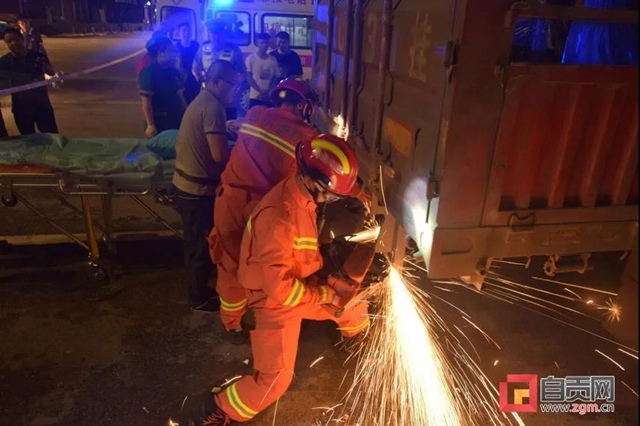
{"type": "Point", "coordinates": [278, 259]}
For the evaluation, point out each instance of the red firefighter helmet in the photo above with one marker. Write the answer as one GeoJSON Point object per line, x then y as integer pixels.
{"type": "Point", "coordinates": [330, 162]}
{"type": "Point", "coordinates": [297, 92]}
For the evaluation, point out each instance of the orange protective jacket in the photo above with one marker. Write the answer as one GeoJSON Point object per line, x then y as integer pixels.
{"type": "Point", "coordinates": [264, 153]}
{"type": "Point", "coordinates": [280, 249]}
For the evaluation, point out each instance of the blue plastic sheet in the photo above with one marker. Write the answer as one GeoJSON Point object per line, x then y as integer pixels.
{"type": "Point", "coordinates": [542, 39]}
{"type": "Point", "coordinates": [117, 159]}
{"type": "Point", "coordinates": [602, 42]}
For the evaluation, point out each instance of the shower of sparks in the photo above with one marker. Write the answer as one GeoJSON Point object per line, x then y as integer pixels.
{"type": "Point", "coordinates": [628, 353]}
{"type": "Point", "coordinates": [316, 361]}
{"type": "Point", "coordinates": [508, 284]}
{"type": "Point", "coordinates": [486, 336]}
{"type": "Point", "coordinates": [418, 392]}
{"type": "Point", "coordinates": [498, 294]}
{"type": "Point", "coordinates": [365, 236]}
{"type": "Point", "coordinates": [468, 340]}
{"type": "Point", "coordinates": [595, 290]}
{"type": "Point", "coordinates": [611, 359]}
{"type": "Point", "coordinates": [612, 311]}
{"type": "Point", "coordinates": [495, 362]}
{"type": "Point", "coordinates": [233, 379]}
{"type": "Point", "coordinates": [434, 381]}
{"type": "Point", "coordinates": [572, 292]}
{"type": "Point", "coordinates": [557, 366]}
{"type": "Point", "coordinates": [275, 412]}
{"type": "Point", "coordinates": [630, 388]}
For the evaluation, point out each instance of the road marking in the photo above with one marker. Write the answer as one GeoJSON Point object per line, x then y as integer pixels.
{"type": "Point", "coordinates": [63, 77]}
{"type": "Point", "coordinates": [72, 101]}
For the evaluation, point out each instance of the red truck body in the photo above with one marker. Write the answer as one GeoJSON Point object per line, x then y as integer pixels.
{"type": "Point", "coordinates": [480, 157]}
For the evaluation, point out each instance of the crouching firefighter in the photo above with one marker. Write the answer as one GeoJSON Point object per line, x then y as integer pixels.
{"type": "Point", "coordinates": [264, 154]}
{"type": "Point", "coordinates": [278, 259]}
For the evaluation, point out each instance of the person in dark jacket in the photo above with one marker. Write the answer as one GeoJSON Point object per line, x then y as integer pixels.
{"type": "Point", "coordinates": [288, 60]}
{"type": "Point", "coordinates": [161, 89]}
{"type": "Point", "coordinates": [22, 66]}
{"type": "Point", "coordinates": [187, 48]}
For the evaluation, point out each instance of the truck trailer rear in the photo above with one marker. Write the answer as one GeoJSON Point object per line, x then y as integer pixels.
{"type": "Point", "coordinates": [476, 147]}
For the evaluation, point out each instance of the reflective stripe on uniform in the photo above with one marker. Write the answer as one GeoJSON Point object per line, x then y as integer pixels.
{"type": "Point", "coordinates": [270, 138]}
{"type": "Point", "coordinates": [232, 307]}
{"type": "Point", "coordinates": [238, 405]}
{"type": "Point", "coordinates": [305, 243]}
{"type": "Point", "coordinates": [323, 294]}
{"type": "Point", "coordinates": [357, 328]}
{"type": "Point", "coordinates": [295, 296]}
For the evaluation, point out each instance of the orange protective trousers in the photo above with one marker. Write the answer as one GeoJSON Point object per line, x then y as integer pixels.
{"type": "Point", "coordinates": [232, 210]}
{"type": "Point", "coordinates": [274, 344]}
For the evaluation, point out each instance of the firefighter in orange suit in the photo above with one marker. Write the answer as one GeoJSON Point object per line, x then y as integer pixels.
{"type": "Point", "coordinates": [278, 258]}
{"type": "Point", "coordinates": [264, 154]}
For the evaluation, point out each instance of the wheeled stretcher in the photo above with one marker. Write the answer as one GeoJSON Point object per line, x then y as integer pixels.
{"type": "Point", "coordinates": [87, 192]}
{"type": "Point", "coordinates": [15, 180]}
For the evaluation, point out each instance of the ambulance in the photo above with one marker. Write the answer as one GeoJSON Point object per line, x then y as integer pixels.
{"type": "Point", "coordinates": [245, 20]}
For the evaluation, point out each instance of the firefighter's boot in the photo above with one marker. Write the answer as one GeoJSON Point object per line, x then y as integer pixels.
{"type": "Point", "coordinates": [201, 410]}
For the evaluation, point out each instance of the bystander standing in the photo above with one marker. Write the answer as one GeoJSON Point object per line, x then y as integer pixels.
{"type": "Point", "coordinates": [288, 60]}
{"type": "Point", "coordinates": [22, 66]}
{"type": "Point", "coordinates": [32, 37]}
{"type": "Point", "coordinates": [201, 155]}
{"type": "Point", "coordinates": [147, 58]}
{"type": "Point", "coordinates": [218, 48]}
{"type": "Point", "coordinates": [262, 73]}
{"type": "Point", "coordinates": [161, 89]}
{"type": "Point", "coordinates": [187, 48]}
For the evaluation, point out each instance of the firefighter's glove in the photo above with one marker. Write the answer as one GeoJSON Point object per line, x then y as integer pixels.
{"type": "Point", "coordinates": [327, 295]}
{"type": "Point", "coordinates": [379, 270]}
{"type": "Point", "coordinates": [151, 131]}
{"type": "Point", "coordinates": [342, 290]}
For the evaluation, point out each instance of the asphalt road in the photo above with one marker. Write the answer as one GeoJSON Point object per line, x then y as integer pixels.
{"type": "Point", "coordinates": [69, 359]}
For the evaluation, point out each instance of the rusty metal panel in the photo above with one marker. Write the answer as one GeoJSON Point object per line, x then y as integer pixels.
{"type": "Point", "coordinates": [415, 86]}
{"type": "Point", "coordinates": [566, 148]}
{"type": "Point", "coordinates": [457, 252]}
{"type": "Point", "coordinates": [471, 112]}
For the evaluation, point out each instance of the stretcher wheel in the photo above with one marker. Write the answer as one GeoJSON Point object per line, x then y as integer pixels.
{"type": "Point", "coordinates": [99, 274]}
{"type": "Point", "coordinates": [11, 201]}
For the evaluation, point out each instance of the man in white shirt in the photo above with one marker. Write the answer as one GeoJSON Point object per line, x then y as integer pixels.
{"type": "Point", "coordinates": [263, 73]}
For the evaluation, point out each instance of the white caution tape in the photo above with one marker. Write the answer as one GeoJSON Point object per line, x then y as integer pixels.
{"type": "Point", "coordinates": [63, 77]}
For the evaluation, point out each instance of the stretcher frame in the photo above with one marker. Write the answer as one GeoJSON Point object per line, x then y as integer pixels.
{"type": "Point", "coordinates": [63, 185]}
